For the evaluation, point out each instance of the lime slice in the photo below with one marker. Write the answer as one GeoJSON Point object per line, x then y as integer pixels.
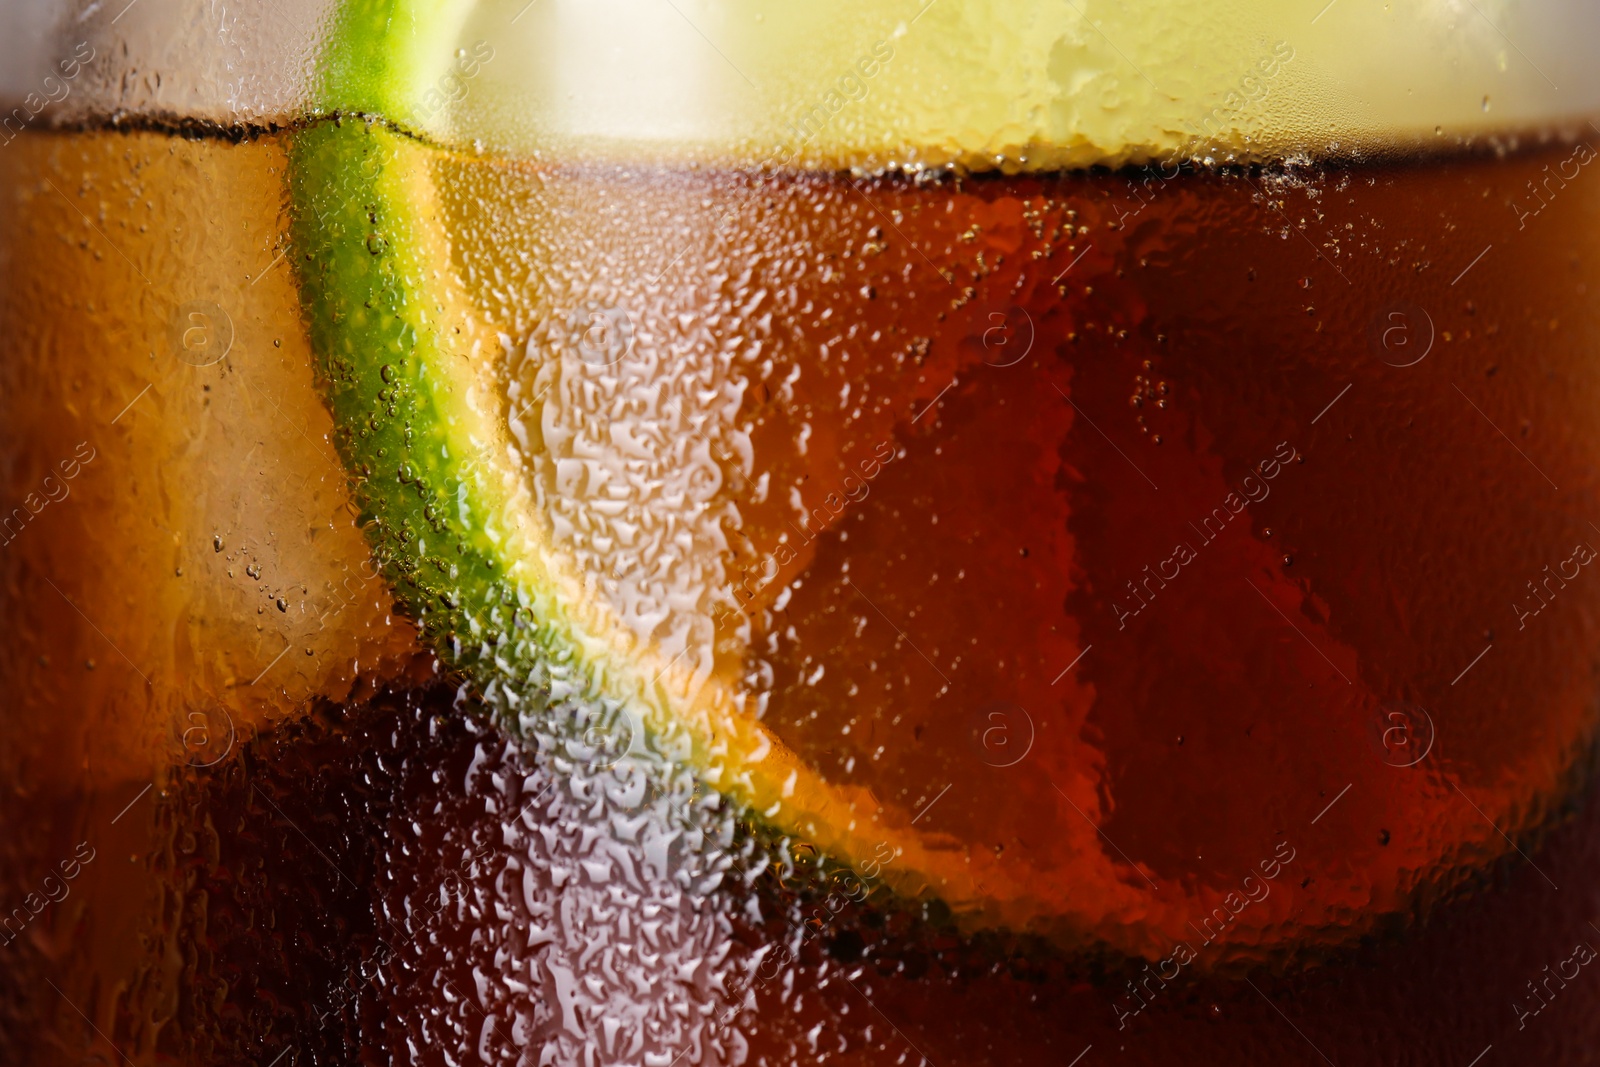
{"type": "Point", "coordinates": [422, 424]}
{"type": "Point", "coordinates": [1012, 85]}
{"type": "Point", "coordinates": [427, 425]}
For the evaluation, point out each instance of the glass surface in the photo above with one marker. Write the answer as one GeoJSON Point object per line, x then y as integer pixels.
{"type": "Point", "coordinates": [660, 533]}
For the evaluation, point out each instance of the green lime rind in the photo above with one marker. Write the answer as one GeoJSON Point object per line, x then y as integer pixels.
{"type": "Point", "coordinates": [422, 426]}
{"type": "Point", "coordinates": [383, 330]}
{"type": "Point", "coordinates": [389, 343]}
{"type": "Point", "coordinates": [375, 335]}
{"type": "Point", "coordinates": [382, 56]}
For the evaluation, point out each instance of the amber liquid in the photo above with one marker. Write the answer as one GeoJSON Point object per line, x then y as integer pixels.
{"type": "Point", "coordinates": [1127, 509]}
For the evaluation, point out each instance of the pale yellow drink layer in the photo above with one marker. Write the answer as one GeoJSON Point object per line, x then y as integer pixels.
{"type": "Point", "coordinates": [1013, 84]}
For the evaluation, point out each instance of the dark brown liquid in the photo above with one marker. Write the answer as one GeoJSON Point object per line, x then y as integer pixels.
{"type": "Point", "coordinates": [1177, 342]}
{"type": "Point", "coordinates": [1135, 519]}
